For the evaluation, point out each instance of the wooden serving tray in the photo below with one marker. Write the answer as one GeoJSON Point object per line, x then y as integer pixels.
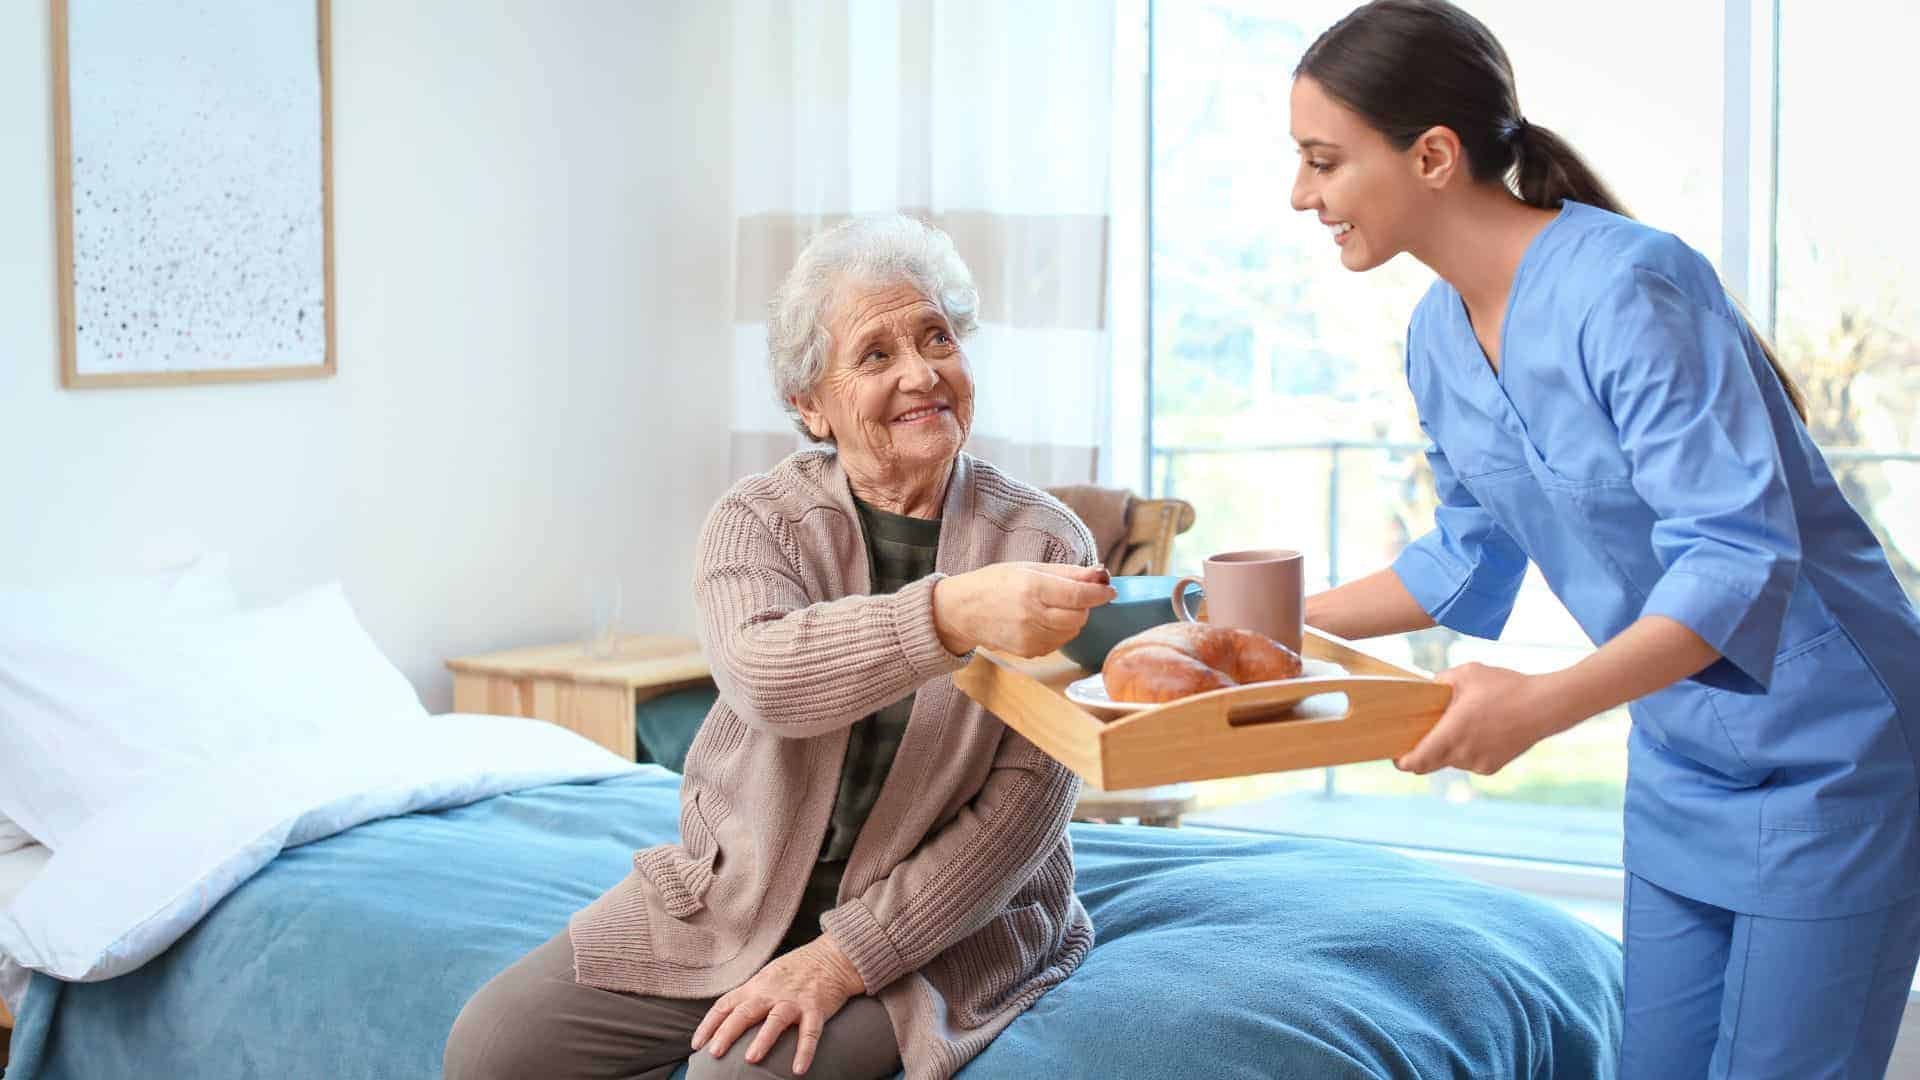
{"type": "Point", "coordinates": [1237, 732]}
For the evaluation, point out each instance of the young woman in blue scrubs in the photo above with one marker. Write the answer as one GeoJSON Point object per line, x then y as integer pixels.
{"type": "Point", "coordinates": [1598, 406]}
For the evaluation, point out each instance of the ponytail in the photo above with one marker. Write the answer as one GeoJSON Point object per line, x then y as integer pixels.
{"type": "Point", "coordinates": [1407, 66]}
{"type": "Point", "coordinates": [1547, 172]}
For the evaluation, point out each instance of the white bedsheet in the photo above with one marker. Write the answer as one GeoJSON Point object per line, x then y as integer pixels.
{"type": "Point", "coordinates": [169, 853]}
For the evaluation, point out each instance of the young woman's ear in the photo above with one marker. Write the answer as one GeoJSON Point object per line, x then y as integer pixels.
{"type": "Point", "coordinates": [1437, 156]}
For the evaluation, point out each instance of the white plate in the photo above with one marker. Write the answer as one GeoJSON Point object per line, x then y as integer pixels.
{"type": "Point", "coordinates": [1090, 693]}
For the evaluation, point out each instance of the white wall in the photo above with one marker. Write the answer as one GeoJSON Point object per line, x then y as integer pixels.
{"type": "Point", "coordinates": [531, 243]}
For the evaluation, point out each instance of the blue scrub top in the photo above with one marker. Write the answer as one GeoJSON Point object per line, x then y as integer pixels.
{"type": "Point", "coordinates": [1636, 446]}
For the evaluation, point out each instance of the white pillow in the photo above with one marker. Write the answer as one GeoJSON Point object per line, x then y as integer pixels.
{"type": "Point", "coordinates": [91, 715]}
{"type": "Point", "coordinates": [195, 590]}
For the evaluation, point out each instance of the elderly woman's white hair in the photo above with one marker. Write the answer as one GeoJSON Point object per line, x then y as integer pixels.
{"type": "Point", "coordinates": [882, 251]}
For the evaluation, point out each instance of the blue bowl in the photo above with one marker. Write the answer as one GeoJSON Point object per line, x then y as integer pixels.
{"type": "Point", "coordinates": [1144, 602]}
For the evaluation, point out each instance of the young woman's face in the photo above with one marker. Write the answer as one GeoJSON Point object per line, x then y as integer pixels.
{"type": "Point", "coordinates": [1369, 195]}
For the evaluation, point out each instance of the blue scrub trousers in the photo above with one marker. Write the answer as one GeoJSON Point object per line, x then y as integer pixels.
{"type": "Point", "coordinates": [1715, 993]}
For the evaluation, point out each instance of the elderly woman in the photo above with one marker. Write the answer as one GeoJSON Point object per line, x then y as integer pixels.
{"type": "Point", "coordinates": [872, 871]}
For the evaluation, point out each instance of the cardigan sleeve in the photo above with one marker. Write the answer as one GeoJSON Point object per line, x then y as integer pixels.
{"type": "Point", "coordinates": [794, 667]}
{"type": "Point", "coordinates": [964, 873]}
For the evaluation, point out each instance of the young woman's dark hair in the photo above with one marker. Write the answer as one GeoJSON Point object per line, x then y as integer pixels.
{"type": "Point", "coordinates": [1405, 66]}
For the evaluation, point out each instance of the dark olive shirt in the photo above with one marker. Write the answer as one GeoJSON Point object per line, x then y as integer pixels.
{"type": "Point", "coordinates": [900, 551]}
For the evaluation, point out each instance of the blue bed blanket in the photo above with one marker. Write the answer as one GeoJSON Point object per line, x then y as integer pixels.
{"type": "Point", "coordinates": [1217, 955]}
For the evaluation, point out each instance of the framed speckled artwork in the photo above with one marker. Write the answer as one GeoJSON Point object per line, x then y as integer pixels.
{"type": "Point", "coordinates": [193, 195]}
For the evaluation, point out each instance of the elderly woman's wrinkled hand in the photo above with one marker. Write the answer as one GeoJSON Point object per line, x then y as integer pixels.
{"type": "Point", "coordinates": [806, 987]}
{"type": "Point", "coordinates": [1026, 609]}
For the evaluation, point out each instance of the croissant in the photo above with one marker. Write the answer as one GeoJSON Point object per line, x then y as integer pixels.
{"type": "Point", "coordinates": [1176, 659]}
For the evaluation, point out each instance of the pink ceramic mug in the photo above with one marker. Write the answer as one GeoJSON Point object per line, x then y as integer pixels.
{"type": "Point", "coordinates": [1252, 590]}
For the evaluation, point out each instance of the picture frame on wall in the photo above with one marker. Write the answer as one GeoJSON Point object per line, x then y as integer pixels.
{"type": "Point", "coordinates": [193, 195]}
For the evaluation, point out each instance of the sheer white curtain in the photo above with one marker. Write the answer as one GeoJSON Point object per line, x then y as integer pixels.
{"type": "Point", "coordinates": [989, 118]}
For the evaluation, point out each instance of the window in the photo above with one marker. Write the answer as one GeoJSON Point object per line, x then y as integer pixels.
{"type": "Point", "coordinates": [1276, 399]}
{"type": "Point", "coordinates": [1846, 301]}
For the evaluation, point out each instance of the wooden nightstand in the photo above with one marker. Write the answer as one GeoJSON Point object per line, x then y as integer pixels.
{"type": "Point", "coordinates": [563, 685]}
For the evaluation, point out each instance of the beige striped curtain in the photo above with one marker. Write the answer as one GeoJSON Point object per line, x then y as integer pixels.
{"type": "Point", "coordinates": [990, 119]}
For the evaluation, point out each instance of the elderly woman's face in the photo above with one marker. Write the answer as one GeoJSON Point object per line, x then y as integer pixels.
{"type": "Point", "coordinates": [897, 395]}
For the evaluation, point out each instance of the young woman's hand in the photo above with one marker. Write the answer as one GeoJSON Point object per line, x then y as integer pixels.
{"type": "Point", "coordinates": [806, 987]}
{"type": "Point", "coordinates": [1022, 608]}
{"type": "Point", "coordinates": [1495, 716]}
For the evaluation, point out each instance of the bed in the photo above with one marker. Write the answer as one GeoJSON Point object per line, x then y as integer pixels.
{"type": "Point", "coordinates": [1218, 955]}
{"type": "Point", "coordinates": [267, 860]}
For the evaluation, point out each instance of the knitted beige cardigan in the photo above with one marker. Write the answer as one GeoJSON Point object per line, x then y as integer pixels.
{"type": "Point", "coordinates": [957, 905]}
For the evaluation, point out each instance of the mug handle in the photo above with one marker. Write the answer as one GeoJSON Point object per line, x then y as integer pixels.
{"type": "Point", "coordinates": [1180, 611]}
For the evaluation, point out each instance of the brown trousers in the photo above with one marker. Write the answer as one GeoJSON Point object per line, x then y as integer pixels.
{"type": "Point", "coordinates": [534, 1021]}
